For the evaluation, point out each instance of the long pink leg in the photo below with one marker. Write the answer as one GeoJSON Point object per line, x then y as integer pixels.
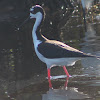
{"type": "Point", "coordinates": [66, 71]}
{"type": "Point", "coordinates": [66, 83]}
{"type": "Point", "coordinates": [49, 74]}
{"type": "Point", "coordinates": [49, 80]}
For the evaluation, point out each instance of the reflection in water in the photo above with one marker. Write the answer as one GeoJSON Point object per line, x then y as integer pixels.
{"type": "Point", "coordinates": [87, 3]}
{"type": "Point", "coordinates": [64, 94]}
{"type": "Point", "coordinates": [56, 77]}
{"type": "Point", "coordinates": [91, 65]}
{"type": "Point", "coordinates": [90, 35]}
{"type": "Point", "coordinates": [98, 17]}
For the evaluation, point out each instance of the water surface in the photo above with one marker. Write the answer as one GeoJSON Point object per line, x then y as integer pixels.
{"type": "Point", "coordinates": [23, 75]}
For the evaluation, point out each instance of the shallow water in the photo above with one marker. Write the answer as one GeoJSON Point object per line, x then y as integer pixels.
{"type": "Point", "coordinates": [23, 75]}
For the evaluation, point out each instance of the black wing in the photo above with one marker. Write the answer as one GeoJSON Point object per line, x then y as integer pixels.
{"type": "Point", "coordinates": [56, 49]}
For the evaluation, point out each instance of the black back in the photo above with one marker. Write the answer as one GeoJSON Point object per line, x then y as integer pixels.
{"type": "Point", "coordinates": [56, 49]}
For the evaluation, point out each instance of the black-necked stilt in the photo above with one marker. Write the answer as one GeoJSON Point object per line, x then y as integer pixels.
{"type": "Point", "coordinates": [51, 52]}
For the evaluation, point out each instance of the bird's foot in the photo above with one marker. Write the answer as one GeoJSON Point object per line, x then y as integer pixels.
{"type": "Point", "coordinates": [69, 76]}
{"type": "Point", "coordinates": [51, 77]}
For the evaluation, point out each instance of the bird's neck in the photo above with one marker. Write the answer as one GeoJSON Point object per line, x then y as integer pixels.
{"type": "Point", "coordinates": [36, 34]}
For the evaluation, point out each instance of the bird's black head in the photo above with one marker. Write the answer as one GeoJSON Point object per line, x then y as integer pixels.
{"type": "Point", "coordinates": [36, 9]}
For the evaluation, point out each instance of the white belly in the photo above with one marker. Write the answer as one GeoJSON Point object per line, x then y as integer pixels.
{"type": "Point", "coordinates": [60, 61]}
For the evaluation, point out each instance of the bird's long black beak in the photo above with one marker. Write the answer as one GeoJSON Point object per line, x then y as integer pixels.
{"type": "Point", "coordinates": [23, 23]}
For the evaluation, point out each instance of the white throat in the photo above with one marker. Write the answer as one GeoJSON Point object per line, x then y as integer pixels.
{"type": "Point", "coordinates": [38, 17]}
{"type": "Point", "coordinates": [36, 42]}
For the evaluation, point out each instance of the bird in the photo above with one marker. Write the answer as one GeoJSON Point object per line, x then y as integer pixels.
{"type": "Point", "coordinates": [52, 52]}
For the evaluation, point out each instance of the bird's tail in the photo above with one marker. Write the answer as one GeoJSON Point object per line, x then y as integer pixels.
{"type": "Point", "coordinates": [97, 57]}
